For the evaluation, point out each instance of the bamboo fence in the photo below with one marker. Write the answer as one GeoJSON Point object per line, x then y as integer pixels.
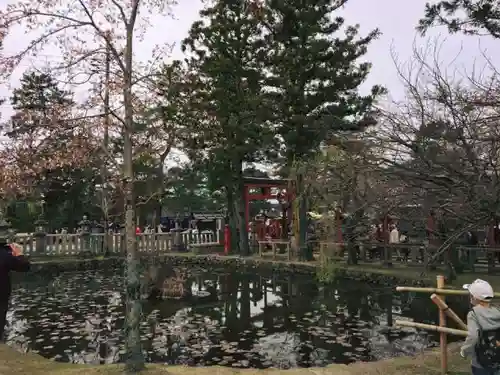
{"type": "Point", "coordinates": [443, 291]}
{"type": "Point", "coordinates": [437, 296]}
{"type": "Point", "coordinates": [430, 327]}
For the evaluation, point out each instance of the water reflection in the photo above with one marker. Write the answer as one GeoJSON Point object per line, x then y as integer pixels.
{"type": "Point", "coordinates": [242, 320]}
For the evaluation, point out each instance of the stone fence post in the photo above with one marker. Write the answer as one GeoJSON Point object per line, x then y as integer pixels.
{"type": "Point", "coordinates": [41, 236]}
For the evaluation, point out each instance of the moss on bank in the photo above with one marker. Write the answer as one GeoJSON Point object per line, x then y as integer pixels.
{"type": "Point", "coordinates": [13, 362]}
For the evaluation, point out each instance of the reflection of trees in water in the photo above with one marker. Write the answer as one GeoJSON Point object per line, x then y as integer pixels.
{"type": "Point", "coordinates": [312, 330]}
{"type": "Point", "coordinates": [293, 323]}
{"type": "Point", "coordinates": [379, 306]}
{"type": "Point", "coordinates": [275, 320]}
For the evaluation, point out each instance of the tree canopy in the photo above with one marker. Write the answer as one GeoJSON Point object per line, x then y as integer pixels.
{"type": "Point", "coordinates": [314, 70]}
{"type": "Point", "coordinates": [473, 17]}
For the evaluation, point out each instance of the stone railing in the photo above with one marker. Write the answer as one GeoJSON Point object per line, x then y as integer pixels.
{"type": "Point", "coordinates": [106, 243]}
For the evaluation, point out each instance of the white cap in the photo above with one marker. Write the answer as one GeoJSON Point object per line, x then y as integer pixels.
{"type": "Point", "coordinates": [480, 289]}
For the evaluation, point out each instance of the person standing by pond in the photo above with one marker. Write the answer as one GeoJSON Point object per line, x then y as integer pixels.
{"type": "Point", "coordinates": [11, 259]}
{"type": "Point", "coordinates": [483, 338]}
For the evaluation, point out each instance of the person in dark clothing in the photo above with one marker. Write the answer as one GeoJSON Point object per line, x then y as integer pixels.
{"type": "Point", "coordinates": [11, 259]}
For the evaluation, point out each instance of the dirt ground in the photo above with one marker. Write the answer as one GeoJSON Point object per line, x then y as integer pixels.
{"type": "Point", "coordinates": [15, 363]}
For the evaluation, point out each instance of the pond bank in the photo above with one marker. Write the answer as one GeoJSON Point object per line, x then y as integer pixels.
{"type": "Point", "coordinates": [373, 273]}
{"type": "Point", "coordinates": [13, 362]}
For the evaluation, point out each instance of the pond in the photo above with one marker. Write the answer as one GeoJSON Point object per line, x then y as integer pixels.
{"type": "Point", "coordinates": [248, 321]}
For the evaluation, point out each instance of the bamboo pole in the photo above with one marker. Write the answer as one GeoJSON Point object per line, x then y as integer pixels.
{"type": "Point", "coordinates": [449, 312]}
{"type": "Point", "coordinates": [442, 335]}
{"type": "Point", "coordinates": [430, 327]}
{"type": "Point", "coordinates": [436, 290]}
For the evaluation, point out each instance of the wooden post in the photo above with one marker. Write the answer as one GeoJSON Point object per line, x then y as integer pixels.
{"type": "Point", "coordinates": [449, 312]}
{"type": "Point", "coordinates": [442, 335]}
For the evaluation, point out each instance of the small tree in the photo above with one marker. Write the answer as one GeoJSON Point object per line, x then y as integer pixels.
{"type": "Point", "coordinates": [43, 144]}
{"type": "Point", "coordinates": [346, 183]}
{"type": "Point", "coordinates": [42, 118]}
{"type": "Point", "coordinates": [89, 34]}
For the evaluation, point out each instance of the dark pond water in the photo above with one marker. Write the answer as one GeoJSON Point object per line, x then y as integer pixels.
{"type": "Point", "coordinates": [248, 321]}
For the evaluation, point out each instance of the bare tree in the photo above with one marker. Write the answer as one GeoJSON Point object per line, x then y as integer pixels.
{"type": "Point", "coordinates": [348, 183]}
{"type": "Point", "coordinates": [86, 32]}
{"type": "Point", "coordinates": [443, 140]}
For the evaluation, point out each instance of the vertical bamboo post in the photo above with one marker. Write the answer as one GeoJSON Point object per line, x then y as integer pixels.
{"type": "Point", "coordinates": [442, 335]}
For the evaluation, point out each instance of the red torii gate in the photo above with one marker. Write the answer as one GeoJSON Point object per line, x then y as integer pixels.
{"type": "Point", "coordinates": [264, 187]}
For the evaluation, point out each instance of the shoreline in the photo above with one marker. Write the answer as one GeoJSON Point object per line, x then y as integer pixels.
{"type": "Point", "coordinates": [426, 363]}
{"type": "Point", "coordinates": [370, 273]}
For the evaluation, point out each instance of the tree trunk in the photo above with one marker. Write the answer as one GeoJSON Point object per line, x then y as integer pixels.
{"type": "Point", "coordinates": [159, 192]}
{"type": "Point", "coordinates": [233, 226]}
{"type": "Point", "coordinates": [135, 358]}
{"type": "Point", "coordinates": [357, 229]}
{"type": "Point", "coordinates": [305, 249]}
{"type": "Point", "coordinates": [352, 246]}
{"type": "Point", "coordinates": [239, 208]}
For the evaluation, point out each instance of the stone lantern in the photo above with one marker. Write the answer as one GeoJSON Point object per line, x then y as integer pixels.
{"type": "Point", "coordinates": [97, 237]}
{"type": "Point", "coordinates": [41, 233]}
{"type": "Point", "coordinates": [85, 226]}
{"type": "Point", "coordinates": [178, 245]}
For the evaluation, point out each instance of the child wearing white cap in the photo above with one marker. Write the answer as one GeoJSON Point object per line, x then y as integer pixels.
{"type": "Point", "coordinates": [483, 322]}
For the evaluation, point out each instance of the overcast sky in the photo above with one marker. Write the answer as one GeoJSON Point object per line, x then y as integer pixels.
{"type": "Point", "coordinates": [395, 18]}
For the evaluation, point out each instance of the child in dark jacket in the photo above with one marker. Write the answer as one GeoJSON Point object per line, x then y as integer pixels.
{"type": "Point", "coordinates": [483, 321]}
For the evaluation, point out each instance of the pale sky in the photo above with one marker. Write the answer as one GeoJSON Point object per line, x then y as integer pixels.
{"type": "Point", "coordinates": [395, 18]}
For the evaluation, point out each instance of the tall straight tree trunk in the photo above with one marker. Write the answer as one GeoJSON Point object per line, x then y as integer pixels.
{"type": "Point", "coordinates": [239, 208]}
{"type": "Point", "coordinates": [305, 251]}
{"type": "Point", "coordinates": [233, 226]}
{"type": "Point", "coordinates": [135, 358]}
{"type": "Point", "coordinates": [160, 188]}
{"type": "Point", "coordinates": [159, 192]}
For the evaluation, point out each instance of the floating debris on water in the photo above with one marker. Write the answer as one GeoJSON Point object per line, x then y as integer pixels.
{"type": "Point", "coordinates": [231, 319]}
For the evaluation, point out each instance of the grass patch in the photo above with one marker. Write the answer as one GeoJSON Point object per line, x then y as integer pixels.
{"type": "Point", "coordinates": [13, 362]}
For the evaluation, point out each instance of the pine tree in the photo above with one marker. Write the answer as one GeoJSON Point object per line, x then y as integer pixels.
{"type": "Point", "coordinates": [472, 17]}
{"type": "Point", "coordinates": [37, 102]}
{"type": "Point", "coordinates": [227, 49]}
{"type": "Point", "coordinates": [41, 108]}
{"type": "Point", "coordinates": [315, 74]}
